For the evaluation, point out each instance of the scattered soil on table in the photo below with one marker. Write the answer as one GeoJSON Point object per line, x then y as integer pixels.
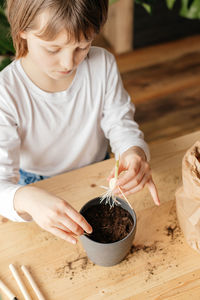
{"type": "Point", "coordinates": [146, 248]}
{"type": "Point", "coordinates": [109, 224]}
{"type": "Point", "coordinates": [71, 268]}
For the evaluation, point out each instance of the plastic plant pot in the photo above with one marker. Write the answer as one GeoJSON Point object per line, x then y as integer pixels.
{"type": "Point", "coordinates": [108, 254]}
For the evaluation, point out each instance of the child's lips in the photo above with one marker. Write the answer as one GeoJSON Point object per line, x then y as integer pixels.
{"type": "Point", "coordinates": [65, 72]}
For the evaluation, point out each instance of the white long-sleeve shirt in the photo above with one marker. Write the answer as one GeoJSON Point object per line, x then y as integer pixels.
{"type": "Point", "coordinates": [51, 133]}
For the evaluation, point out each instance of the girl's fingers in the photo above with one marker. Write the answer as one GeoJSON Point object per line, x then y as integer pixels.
{"type": "Point", "coordinates": [139, 187]}
{"type": "Point", "coordinates": [153, 191]}
{"type": "Point", "coordinates": [62, 227]}
{"type": "Point", "coordinates": [69, 224]}
{"type": "Point", "coordinates": [130, 173]}
{"type": "Point", "coordinates": [151, 186]}
{"type": "Point", "coordinates": [133, 181]}
{"type": "Point", "coordinates": [63, 235]}
{"type": "Point", "coordinates": [135, 167]}
{"type": "Point", "coordinates": [77, 218]}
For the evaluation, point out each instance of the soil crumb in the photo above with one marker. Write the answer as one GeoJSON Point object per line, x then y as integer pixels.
{"type": "Point", "coordinates": [93, 185]}
{"type": "Point", "coordinates": [171, 231]}
{"type": "Point", "coordinates": [109, 224]}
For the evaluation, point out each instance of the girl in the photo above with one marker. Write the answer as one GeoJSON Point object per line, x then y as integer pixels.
{"type": "Point", "coordinates": [61, 100]}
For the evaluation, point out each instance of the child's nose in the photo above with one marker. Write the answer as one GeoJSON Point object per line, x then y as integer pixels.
{"type": "Point", "coordinates": [67, 61]}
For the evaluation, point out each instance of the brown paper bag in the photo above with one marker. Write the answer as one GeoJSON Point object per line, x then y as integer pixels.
{"type": "Point", "coordinates": [188, 197]}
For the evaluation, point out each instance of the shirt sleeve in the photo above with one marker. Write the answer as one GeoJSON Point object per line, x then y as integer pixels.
{"type": "Point", "coordinates": [9, 162]}
{"type": "Point", "coordinates": [118, 115]}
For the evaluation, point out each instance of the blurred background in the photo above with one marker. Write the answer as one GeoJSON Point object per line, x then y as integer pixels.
{"type": "Point", "coordinates": [157, 47]}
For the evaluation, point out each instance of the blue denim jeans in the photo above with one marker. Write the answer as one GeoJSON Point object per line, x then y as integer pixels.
{"type": "Point", "coordinates": [27, 177]}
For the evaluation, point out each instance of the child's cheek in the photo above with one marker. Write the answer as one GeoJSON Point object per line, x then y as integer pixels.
{"type": "Point", "coordinates": [81, 57]}
{"type": "Point", "coordinates": [47, 59]}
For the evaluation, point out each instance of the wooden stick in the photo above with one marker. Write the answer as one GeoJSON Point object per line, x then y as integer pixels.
{"type": "Point", "coordinates": [125, 197]}
{"type": "Point", "coordinates": [7, 291]}
{"type": "Point", "coordinates": [19, 282]}
{"type": "Point", "coordinates": [32, 283]}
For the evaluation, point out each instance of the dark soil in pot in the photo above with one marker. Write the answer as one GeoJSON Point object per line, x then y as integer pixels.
{"type": "Point", "coordinates": [109, 224]}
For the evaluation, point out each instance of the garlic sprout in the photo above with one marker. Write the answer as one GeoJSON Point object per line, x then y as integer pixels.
{"type": "Point", "coordinates": [109, 196]}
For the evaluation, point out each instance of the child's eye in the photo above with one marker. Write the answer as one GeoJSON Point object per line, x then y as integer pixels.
{"type": "Point", "coordinates": [52, 51]}
{"type": "Point", "coordinates": [83, 49]}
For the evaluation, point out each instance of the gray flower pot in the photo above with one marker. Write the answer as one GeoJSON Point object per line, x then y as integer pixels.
{"type": "Point", "coordinates": [112, 253]}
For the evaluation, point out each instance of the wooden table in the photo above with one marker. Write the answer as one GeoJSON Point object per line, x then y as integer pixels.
{"type": "Point", "coordinates": [160, 265]}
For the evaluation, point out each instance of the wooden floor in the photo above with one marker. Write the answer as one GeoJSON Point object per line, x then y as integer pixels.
{"type": "Point", "coordinates": [164, 84]}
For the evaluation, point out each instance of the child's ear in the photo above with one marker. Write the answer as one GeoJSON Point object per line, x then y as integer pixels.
{"type": "Point", "coordinates": [23, 35]}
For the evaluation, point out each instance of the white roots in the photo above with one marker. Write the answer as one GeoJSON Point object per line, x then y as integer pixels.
{"type": "Point", "coordinates": [109, 197]}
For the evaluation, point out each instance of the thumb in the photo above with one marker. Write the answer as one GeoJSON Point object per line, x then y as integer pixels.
{"type": "Point", "coordinates": [112, 174]}
{"type": "Point", "coordinates": [120, 169]}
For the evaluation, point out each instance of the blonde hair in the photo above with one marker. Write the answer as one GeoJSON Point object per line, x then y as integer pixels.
{"type": "Point", "coordinates": [78, 17]}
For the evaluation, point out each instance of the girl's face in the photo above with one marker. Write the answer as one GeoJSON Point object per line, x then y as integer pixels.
{"type": "Point", "coordinates": [58, 58]}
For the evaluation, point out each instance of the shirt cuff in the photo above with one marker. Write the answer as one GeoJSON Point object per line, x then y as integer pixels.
{"type": "Point", "coordinates": [7, 203]}
{"type": "Point", "coordinates": [138, 143]}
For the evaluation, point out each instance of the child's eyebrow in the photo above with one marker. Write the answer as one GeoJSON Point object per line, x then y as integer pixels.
{"type": "Point", "coordinates": [83, 42]}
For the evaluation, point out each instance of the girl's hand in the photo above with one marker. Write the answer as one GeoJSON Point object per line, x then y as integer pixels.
{"type": "Point", "coordinates": [136, 174]}
{"type": "Point", "coordinates": [50, 213]}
